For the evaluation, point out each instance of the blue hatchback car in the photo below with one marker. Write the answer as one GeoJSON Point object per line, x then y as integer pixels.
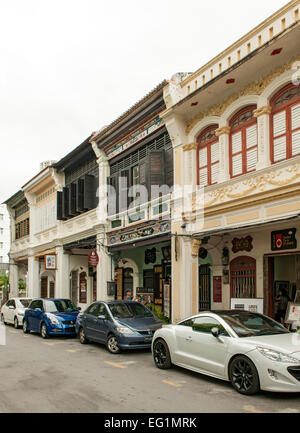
{"type": "Point", "coordinates": [117, 324]}
{"type": "Point", "coordinates": [51, 317]}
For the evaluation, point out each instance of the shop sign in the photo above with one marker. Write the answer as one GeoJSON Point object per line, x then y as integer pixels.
{"type": "Point", "coordinates": [293, 313]}
{"type": "Point", "coordinates": [167, 300]}
{"type": "Point", "coordinates": [217, 289]}
{"type": "Point", "coordinates": [284, 240]}
{"type": "Point", "coordinates": [243, 244]}
{"type": "Point", "coordinates": [50, 262]}
{"type": "Point", "coordinates": [93, 259]}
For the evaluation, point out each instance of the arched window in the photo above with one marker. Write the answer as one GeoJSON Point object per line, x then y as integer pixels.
{"type": "Point", "coordinates": [285, 124]}
{"type": "Point", "coordinates": [243, 278]}
{"type": "Point", "coordinates": [208, 157]}
{"type": "Point", "coordinates": [243, 142]}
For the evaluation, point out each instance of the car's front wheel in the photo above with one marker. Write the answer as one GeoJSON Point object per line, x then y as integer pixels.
{"type": "Point", "coordinates": [25, 328]}
{"type": "Point", "coordinates": [161, 355]}
{"type": "Point", "coordinates": [244, 376]}
{"type": "Point", "coordinates": [44, 332]}
{"type": "Point", "coordinates": [16, 323]}
{"type": "Point", "coordinates": [82, 337]}
{"type": "Point", "coordinates": [112, 345]}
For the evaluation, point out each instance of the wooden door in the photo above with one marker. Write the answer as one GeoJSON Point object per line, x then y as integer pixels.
{"type": "Point", "coordinates": [158, 286]}
{"type": "Point", "coordinates": [44, 287]}
{"type": "Point", "coordinates": [52, 290]}
{"type": "Point", "coordinates": [74, 287]}
{"type": "Point", "coordinates": [204, 288]}
{"type": "Point", "coordinates": [119, 273]}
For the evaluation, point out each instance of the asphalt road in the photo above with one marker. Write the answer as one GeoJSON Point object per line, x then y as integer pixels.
{"type": "Point", "coordinates": [60, 375]}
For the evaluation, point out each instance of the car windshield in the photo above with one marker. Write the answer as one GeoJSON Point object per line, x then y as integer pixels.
{"type": "Point", "coordinates": [247, 324]}
{"type": "Point", "coordinates": [25, 302]}
{"type": "Point", "coordinates": [126, 311]}
{"type": "Point", "coordinates": [59, 306]}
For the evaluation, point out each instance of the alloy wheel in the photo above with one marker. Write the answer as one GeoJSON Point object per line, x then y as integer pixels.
{"type": "Point", "coordinates": [244, 377]}
{"type": "Point", "coordinates": [82, 337]}
{"type": "Point", "coordinates": [44, 332]}
{"type": "Point", "coordinates": [16, 323]}
{"type": "Point", "coordinates": [112, 345]}
{"type": "Point", "coordinates": [161, 355]}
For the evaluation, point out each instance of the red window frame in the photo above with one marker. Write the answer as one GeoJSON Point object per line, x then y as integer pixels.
{"type": "Point", "coordinates": [286, 106]}
{"type": "Point", "coordinates": [207, 144]}
{"type": "Point", "coordinates": [233, 130]}
{"type": "Point", "coordinates": [235, 267]}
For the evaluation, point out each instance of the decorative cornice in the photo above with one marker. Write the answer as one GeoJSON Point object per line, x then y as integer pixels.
{"type": "Point", "coordinates": [255, 88]}
{"type": "Point", "coordinates": [191, 146]}
{"type": "Point", "coordinates": [222, 131]}
{"type": "Point", "coordinates": [267, 109]}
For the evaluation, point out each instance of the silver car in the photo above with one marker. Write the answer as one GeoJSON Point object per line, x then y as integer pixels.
{"type": "Point", "coordinates": [250, 350]}
{"type": "Point", "coordinates": [13, 311]}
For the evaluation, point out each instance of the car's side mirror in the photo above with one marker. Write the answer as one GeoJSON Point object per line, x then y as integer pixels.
{"type": "Point", "coordinates": [11, 307]}
{"type": "Point", "coordinates": [215, 332]}
{"type": "Point", "coordinates": [102, 317]}
{"type": "Point", "coordinates": [78, 309]}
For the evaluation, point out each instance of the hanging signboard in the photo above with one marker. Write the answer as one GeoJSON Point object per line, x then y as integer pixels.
{"type": "Point", "coordinates": [217, 289]}
{"type": "Point", "coordinates": [93, 259]}
{"type": "Point", "coordinates": [284, 240]}
{"type": "Point", "coordinates": [50, 262]}
{"type": "Point", "coordinates": [243, 244]}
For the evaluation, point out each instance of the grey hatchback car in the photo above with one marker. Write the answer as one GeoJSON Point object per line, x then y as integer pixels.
{"type": "Point", "coordinates": [117, 324]}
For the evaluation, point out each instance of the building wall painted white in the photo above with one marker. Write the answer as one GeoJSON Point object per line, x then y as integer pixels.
{"type": "Point", "coordinates": [4, 234]}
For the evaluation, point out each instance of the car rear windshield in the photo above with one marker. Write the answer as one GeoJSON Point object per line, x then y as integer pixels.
{"type": "Point", "coordinates": [25, 302]}
{"type": "Point", "coordinates": [247, 324]}
{"type": "Point", "coordinates": [126, 311]}
{"type": "Point", "coordinates": [59, 306]}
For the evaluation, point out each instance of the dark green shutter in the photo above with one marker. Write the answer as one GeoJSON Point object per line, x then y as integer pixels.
{"type": "Point", "coordinates": [80, 193]}
{"type": "Point", "coordinates": [72, 199]}
{"type": "Point", "coordinates": [89, 192]}
{"type": "Point", "coordinates": [59, 213]}
{"type": "Point", "coordinates": [65, 203]}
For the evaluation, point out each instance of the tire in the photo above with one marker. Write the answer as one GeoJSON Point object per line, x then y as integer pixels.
{"type": "Point", "coordinates": [243, 376]}
{"type": "Point", "coordinates": [161, 355]}
{"type": "Point", "coordinates": [16, 323]}
{"type": "Point", "coordinates": [25, 329]}
{"type": "Point", "coordinates": [112, 345]}
{"type": "Point", "coordinates": [44, 332]}
{"type": "Point", "coordinates": [82, 337]}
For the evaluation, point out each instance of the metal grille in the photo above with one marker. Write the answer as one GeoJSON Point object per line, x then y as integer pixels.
{"type": "Point", "coordinates": [204, 288]}
{"type": "Point", "coordinates": [243, 278]}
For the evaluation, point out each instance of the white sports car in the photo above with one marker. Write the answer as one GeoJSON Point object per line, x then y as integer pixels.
{"type": "Point", "coordinates": [250, 350]}
{"type": "Point", "coordinates": [13, 311]}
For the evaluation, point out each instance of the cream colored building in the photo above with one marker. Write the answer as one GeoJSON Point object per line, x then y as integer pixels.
{"type": "Point", "coordinates": [235, 128]}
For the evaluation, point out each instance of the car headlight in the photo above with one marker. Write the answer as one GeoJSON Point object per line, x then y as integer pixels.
{"type": "Point", "coordinates": [124, 330]}
{"type": "Point", "coordinates": [53, 319]}
{"type": "Point", "coordinates": [278, 356]}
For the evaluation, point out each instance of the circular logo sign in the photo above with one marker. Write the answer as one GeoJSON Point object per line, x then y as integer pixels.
{"type": "Point", "coordinates": [93, 259]}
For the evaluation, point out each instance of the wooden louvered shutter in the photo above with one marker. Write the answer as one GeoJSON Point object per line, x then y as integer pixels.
{"type": "Point", "coordinates": [156, 173]}
{"type": "Point", "coordinates": [80, 196]}
{"type": "Point", "coordinates": [72, 199]}
{"type": "Point", "coordinates": [65, 202]}
{"type": "Point", "coordinates": [295, 118]}
{"type": "Point", "coordinates": [123, 190]}
{"type": "Point", "coordinates": [113, 197]}
{"type": "Point", "coordinates": [59, 213]}
{"type": "Point", "coordinates": [203, 164]}
{"type": "Point", "coordinates": [169, 167]}
{"type": "Point", "coordinates": [89, 192]}
{"type": "Point", "coordinates": [237, 156]}
{"type": "Point", "coordinates": [279, 136]}
{"type": "Point", "coordinates": [251, 143]}
{"type": "Point", "coordinates": [215, 162]}
{"type": "Point", "coordinates": [143, 179]}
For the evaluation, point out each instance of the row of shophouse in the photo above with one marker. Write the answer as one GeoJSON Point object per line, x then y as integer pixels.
{"type": "Point", "coordinates": [230, 134]}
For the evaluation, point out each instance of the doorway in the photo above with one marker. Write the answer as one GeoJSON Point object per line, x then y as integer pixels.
{"type": "Point", "coordinates": [204, 288]}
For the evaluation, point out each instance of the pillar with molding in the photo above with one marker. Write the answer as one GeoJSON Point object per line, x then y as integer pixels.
{"type": "Point", "coordinates": [263, 136]}
{"type": "Point", "coordinates": [62, 277]}
{"type": "Point", "coordinates": [33, 280]}
{"type": "Point", "coordinates": [104, 268]}
{"type": "Point", "coordinates": [13, 278]}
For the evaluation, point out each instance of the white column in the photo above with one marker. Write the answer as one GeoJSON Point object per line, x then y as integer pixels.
{"type": "Point", "coordinates": [62, 278]}
{"type": "Point", "coordinates": [223, 134]}
{"type": "Point", "coordinates": [103, 269]}
{"type": "Point", "coordinates": [189, 250]}
{"type": "Point", "coordinates": [190, 164]}
{"type": "Point", "coordinates": [33, 277]}
{"type": "Point", "coordinates": [13, 278]}
{"type": "Point", "coordinates": [263, 136]}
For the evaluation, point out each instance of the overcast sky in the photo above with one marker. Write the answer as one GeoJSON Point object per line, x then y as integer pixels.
{"type": "Point", "coordinates": [69, 67]}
